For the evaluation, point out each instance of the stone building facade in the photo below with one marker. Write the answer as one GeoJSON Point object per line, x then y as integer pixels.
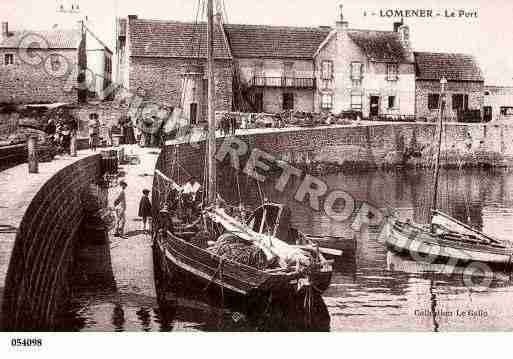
{"type": "Point", "coordinates": [275, 78]}
{"type": "Point", "coordinates": [464, 90]}
{"type": "Point", "coordinates": [164, 62]}
{"type": "Point", "coordinates": [49, 77]}
{"type": "Point", "coordinates": [274, 68]}
{"type": "Point", "coordinates": [498, 103]}
{"type": "Point", "coordinates": [365, 70]}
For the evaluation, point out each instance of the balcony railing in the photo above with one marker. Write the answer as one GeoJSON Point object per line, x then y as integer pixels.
{"type": "Point", "coordinates": [293, 82]}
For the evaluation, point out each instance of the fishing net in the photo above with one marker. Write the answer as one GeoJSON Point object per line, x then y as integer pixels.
{"type": "Point", "coordinates": [236, 249]}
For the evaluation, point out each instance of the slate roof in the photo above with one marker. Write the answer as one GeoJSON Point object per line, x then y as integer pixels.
{"type": "Point", "coordinates": [55, 39]}
{"type": "Point", "coordinates": [455, 67]}
{"type": "Point", "coordinates": [254, 41]}
{"type": "Point", "coordinates": [172, 39]}
{"type": "Point", "coordinates": [383, 46]}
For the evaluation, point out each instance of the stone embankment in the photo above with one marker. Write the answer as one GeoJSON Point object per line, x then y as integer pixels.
{"type": "Point", "coordinates": [363, 147]}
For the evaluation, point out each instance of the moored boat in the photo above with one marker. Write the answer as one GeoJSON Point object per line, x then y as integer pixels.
{"type": "Point", "coordinates": [220, 248]}
{"type": "Point", "coordinates": [445, 236]}
{"type": "Point", "coordinates": [406, 237]}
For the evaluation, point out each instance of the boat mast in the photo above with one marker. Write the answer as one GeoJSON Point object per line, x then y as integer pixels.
{"type": "Point", "coordinates": [211, 136]}
{"type": "Point", "coordinates": [443, 82]}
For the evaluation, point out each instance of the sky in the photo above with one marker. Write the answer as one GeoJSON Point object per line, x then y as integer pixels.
{"type": "Point", "coordinates": [489, 36]}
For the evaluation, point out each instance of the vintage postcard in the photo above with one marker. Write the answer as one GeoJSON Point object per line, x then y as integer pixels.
{"type": "Point", "coordinates": [270, 166]}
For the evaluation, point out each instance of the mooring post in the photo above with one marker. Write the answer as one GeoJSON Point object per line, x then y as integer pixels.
{"type": "Point", "coordinates": [73, 145]}
{"type": "Point", "coordinates": [33, 165]}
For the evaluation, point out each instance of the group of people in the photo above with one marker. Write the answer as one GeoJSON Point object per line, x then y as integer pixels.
{"type": "Point", "coordinates": [130, 133]}
{"type": "Point", "coordinates": [229, 125]}
{"type": "Point", "coordinates": [60, 130]}
{"type": "Point", "coordinates": [94, 130]}
{"type": "Point", "coordinates": [120, 206]}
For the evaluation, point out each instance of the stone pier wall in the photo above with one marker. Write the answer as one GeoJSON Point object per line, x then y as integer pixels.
{"type": "Point", "coordinates": [44, 212]}
{"type": "Point", "coordinates": [363, 147]}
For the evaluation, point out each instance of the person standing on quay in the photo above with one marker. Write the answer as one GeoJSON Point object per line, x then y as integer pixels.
{"type": "Point", "coordinates": [145, 207]}
{"type": "Point", "coordinates": [120, 206]}
{"type": "Point", "coordinates": [94, 127]}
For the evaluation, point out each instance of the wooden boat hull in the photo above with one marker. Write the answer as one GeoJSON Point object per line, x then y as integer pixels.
{"type": "Point", "coordinates": [235, 278]}
{"type": "Point", "coordinates": [405, 238]}
{"type": "Point", "coordinates": [346, 245]}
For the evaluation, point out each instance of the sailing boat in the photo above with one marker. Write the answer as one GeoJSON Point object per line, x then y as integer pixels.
{"type": "Point", "coordinates": [275, 265]}
{"type": "Point", "coordinates": [445, 236]}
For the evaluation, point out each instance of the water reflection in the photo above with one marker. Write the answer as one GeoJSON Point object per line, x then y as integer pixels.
{"type": "Point", "coordinates": [185, 301]}
{"type": "Point", "coordinates": [145, 317]}
{"type": "Point", "coordinates": [118, 317]}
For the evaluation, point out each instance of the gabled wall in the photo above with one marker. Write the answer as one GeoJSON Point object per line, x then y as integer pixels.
{"type": "Point", "coordinates": [342, 51]}
{"type": "Point", "coordinates": [273, 96]}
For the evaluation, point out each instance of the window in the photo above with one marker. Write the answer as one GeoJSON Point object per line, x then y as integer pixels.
{"type": "Point", "coordinates": [433, 101]}
{"type": "Point", "coordinates": [259, 69]}
{"type": "Point", "coordinates": [356, 71]}
{"type": "Point", "coordinates": [459, 101]}
{"type": "Point", "coordinates": [391, 102]}
{"type": "Point", "coordinates": [392, 72]}
{"type": "Point", "coordinates": [288, 101]}
{"type": "Point", "coordinates": [506, 111]}
{"type": "Point", "coordinates": [55, 62]}
{"type": "Point", "coordinates": [194, 113]}
{"type": "Point", "coordinates": [356, 101]}
{"type": "Point", "coordinates": [326, 101]}
{"type": "Point", "coordinates": [327, 70]}
{"type": "Point", "coordinates": [9, 59]}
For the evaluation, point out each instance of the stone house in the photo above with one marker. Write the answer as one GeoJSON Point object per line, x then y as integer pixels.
{"type": "Point", "coordinates": [164, 62]}
{"type": "Point", "coordinates": [40, 74]}
{"type": "Point", "coordinates": [51, 76]}
{"type": "Point", "coordinates": [464, 90]}
{"type": "Point", "coordinates": [498, 102]}
{"type": "Point", "coordinates": [275, 66]}
{"type": "Point", "coordinates": [366, 70]}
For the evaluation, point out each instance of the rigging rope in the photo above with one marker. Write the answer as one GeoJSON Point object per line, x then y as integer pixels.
{"type": "Point", "coordinates": [238, 188]}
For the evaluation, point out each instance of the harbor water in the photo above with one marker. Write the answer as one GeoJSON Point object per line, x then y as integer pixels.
{"type": "Point", "coordinates": [372, 289]}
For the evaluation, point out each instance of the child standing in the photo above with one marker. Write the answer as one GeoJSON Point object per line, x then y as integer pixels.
{"type": "Point", "coordinates": [145, 207]}
{"type": "Point", "coordinates": [120, 205]}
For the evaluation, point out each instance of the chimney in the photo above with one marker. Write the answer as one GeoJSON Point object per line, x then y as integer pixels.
{"type": "Point", "coordinates": [398, 24]}
{"type": "Point", "coordinates": [5, 29]}
{"type": "Point", "coordinates": [341, 24]}
{"type": "Point", "coordinates": [404, 36]}
{"type": "Point", "coordinates": [132, 17]}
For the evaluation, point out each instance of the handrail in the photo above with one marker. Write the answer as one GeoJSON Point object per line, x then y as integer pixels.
{"type": "Point", "coordinates": [283, 81]}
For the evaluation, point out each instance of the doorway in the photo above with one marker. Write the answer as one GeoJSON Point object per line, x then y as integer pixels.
{"type": "Point", "coordinates": [374, 106]}
{"type": "Point", "coordinates": [487, 113]}
{"type": "Point", "coordinates": [194, 113]}
{"type": "Point", "coordinates": [258, 102]}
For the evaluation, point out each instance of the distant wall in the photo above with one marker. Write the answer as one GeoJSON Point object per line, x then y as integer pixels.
{"type": "Point", "coordinates": [370, 146]}
{"type": "Point", "coordinates": [36, 281]}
